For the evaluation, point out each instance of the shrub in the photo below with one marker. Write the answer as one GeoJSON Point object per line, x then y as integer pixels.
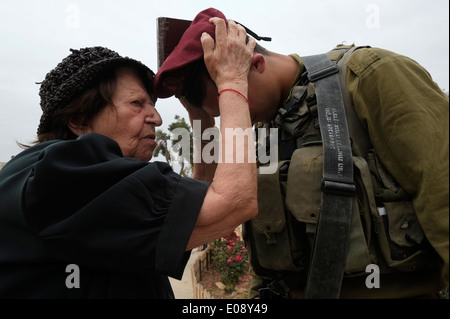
{"type": "Point", "coordinates": [231, 259]}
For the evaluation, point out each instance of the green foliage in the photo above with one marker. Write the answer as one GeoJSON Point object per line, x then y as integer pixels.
{"type": "Point", "coordinates": [230, 257]}
{"type": "Point", "coordinates": [162, 148]}
{"type": "Point", "coordinates": [169, 145]}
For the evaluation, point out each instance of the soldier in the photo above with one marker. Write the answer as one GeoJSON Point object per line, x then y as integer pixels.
{"type": "Point", "coordinates": [398, 121]}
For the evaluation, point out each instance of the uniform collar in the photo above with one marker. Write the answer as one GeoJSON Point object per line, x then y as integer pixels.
{"type": "Point", "coordinates": [300, 71]}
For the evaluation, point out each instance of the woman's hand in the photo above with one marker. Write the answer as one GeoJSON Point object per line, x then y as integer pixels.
{"type": "Point", "coordinates": [228, 59]}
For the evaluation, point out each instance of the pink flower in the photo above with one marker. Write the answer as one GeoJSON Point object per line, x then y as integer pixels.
{"type": "Point", "coordinates": [229, 261]}
{"type": "Point", "coordinates": [238, 258]}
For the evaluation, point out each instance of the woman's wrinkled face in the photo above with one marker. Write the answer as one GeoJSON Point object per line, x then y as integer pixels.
{"type": "Point", "coordinates": [131, 120]}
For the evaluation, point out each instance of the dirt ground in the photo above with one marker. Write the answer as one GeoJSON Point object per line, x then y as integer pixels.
{"type": "Point", "coordinates": [212, 276]}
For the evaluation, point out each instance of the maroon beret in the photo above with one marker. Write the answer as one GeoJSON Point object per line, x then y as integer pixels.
{"type": "Point", "coordinates": [174, 72]}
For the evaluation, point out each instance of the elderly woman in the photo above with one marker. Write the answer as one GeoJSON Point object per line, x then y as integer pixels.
{"type": "Point", "coordinates": [83, 212]}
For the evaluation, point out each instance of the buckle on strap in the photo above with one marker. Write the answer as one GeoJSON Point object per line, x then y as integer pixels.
{"type": "Point", "coordinates": [338, 188]}
{"type": "Point", "coordinates": [323, 73]}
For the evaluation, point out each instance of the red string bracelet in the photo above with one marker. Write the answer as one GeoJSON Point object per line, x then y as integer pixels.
{"type": "Point", "coordinates": [232, 90]}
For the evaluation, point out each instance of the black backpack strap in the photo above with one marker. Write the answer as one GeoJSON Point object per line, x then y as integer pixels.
{"type": "Point", "coordinates": [329, 252]}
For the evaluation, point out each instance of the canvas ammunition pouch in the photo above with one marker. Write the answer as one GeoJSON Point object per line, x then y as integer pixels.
{"type": "Point", "coordinates": [384, 228]}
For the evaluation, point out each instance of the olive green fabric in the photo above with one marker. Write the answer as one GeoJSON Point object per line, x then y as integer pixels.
{"type": "Point", "coordinates": [406, 116]}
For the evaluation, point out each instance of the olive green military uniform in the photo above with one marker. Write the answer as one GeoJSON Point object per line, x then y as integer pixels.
{"type": "Point", "coordinates": [407, 117]}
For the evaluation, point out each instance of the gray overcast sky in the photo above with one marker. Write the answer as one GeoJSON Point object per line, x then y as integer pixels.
{"type": "Point", "coordinates": [36, 35]}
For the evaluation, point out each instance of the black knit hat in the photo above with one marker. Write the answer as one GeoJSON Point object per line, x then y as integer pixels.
{"type": "Point", "coordinates": [76, 73]}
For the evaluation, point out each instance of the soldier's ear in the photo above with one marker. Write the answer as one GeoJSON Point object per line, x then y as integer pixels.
{"type": "Point", "coordinates": [258, 63]}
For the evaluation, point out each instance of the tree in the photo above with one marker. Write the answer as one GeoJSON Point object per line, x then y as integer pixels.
{"type": "Point", "coordinates": [178, 143]}
{"type": "Point", "coordinates": [162, 148]}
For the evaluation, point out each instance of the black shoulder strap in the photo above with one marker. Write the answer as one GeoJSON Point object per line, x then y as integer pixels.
{"type": "Point", "coordinates": [329, 253]}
